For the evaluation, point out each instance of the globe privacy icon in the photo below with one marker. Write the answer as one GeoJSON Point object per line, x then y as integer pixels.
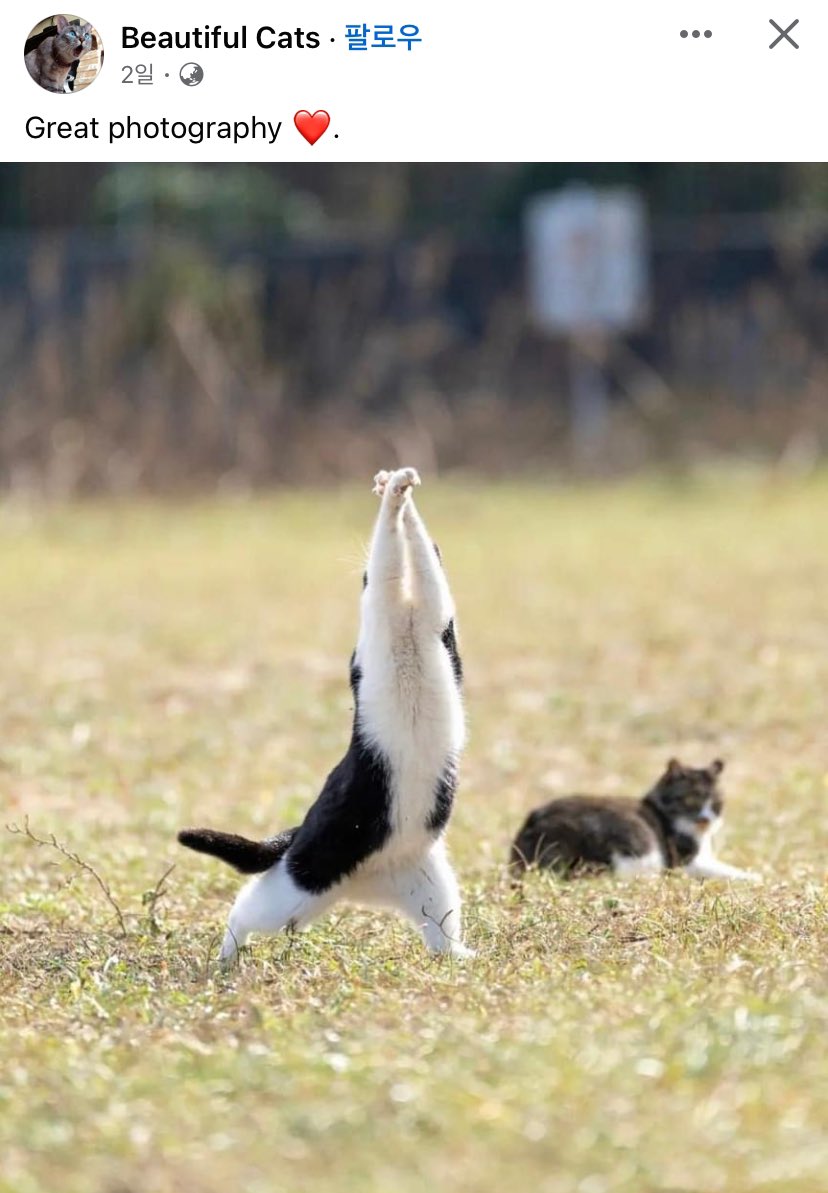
{"type": "Point", "coordinates": [191, 74]}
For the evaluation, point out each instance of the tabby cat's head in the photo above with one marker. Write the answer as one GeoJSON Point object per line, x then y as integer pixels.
{"type": "Point", "coordinates": [690, 799]}
{"type": "Point", "coordinates": [71, 40]}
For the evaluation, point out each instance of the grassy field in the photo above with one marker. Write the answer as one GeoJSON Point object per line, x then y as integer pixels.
{"type": "Point", "coordinates": [164, 665]}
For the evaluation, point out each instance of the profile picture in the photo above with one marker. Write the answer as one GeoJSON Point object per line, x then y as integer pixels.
{"type": "Point", "coordinates": [64, 53]}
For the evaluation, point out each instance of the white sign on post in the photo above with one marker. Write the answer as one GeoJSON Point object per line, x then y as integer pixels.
{"type": "Point", "coordinates": [587, 260]}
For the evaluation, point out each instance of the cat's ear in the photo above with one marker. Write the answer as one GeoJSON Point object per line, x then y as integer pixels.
{"type": "Point", "coordinates": [87, 28]}
{"type": "Point", "coordinates": [674, 768]}
{"type": "Point", "coordinates": [62, 24]}
{"type": "Point", "coordinates": [716, 767]}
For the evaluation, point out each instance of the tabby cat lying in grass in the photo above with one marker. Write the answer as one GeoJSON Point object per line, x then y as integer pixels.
{"type": "Point", "coordinates": [672, 827]}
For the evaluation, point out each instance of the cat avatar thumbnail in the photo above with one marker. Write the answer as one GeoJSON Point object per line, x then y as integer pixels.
{"type": "Point", "coordinates": [63, 54]}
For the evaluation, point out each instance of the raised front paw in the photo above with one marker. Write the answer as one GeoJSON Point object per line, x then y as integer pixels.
{"type": "Point", "coordinates": [402, 480]}
{"type": "Point", "coordinates": [380, 482]}
{"type": "Point", "coordinates": [397, 483]}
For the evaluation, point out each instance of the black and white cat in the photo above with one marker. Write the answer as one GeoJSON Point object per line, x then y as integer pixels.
{"type": "Point", "coordinates": [374, 836]}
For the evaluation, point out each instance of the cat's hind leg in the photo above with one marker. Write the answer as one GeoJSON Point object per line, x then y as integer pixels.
{"type": "Point", "coordinates": [268, 903]}
{"type": "Point", "coordinates": [427, 894]}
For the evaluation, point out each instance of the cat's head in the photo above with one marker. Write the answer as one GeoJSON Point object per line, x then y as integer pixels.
{"type": "Point", "coordinates": [71, 40]}
{"type": "Point", "coordinates": [689, 799]}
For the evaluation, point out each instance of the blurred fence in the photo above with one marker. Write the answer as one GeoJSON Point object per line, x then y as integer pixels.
{"type": "Point", "coordinates": [159, 362]}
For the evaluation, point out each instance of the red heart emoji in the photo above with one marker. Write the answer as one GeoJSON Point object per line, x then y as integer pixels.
{"type": "Point", "coordinates": [312, 127]}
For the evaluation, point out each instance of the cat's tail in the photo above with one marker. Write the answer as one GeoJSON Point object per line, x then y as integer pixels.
{"type": "Point", "coordinates": [248, 857]}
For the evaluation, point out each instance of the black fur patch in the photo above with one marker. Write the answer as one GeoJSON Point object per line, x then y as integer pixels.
{"type": "Point", "coordinates": [351, 817]}
{"type": "Point", "coordinates": [449, 638]}
{"type": "Point", "coordinates": [355, 675]}
{"type": "Point", "coordinates": [668, 841]}
{"type": "Point", "coordinates": [248, 857]}
{"type": "Point", "coordinates": [349, 821]}
{"type": "Point", "coordinates": [443, 800]}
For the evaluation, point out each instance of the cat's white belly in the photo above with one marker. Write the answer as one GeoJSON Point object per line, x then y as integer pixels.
{"type": "Point", "coordinates": [411, 710]}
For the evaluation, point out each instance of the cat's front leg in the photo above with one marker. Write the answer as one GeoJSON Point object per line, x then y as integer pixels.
{"type": "Point", "coordinates": [429, 583]}
{"type": "Point", "coordinates": [386, 586]}
{"type": "Point", "coordinates": [711, 867]}
{"type": "Point", "coordinates": [395, 484]}
{"type": "Point", "coordinates": [384, 571]}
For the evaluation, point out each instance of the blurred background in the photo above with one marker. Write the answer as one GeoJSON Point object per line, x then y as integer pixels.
{"type": "Point", "coordinates": [176, 327]}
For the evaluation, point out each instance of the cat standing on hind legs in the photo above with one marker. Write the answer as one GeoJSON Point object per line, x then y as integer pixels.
{"type": "Point", "coordinates": [375, 833]}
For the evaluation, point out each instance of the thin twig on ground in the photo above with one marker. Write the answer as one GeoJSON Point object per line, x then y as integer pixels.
{"type": "Point", "coordinates": [152, 898]}
{"type": "Point", "coordinates": [53, 843]}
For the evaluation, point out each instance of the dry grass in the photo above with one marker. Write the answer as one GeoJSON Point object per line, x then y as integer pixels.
{"type": "Point", "coordinates": [169, 664]}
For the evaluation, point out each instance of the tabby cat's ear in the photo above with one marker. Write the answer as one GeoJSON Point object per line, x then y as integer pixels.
{"type": "Point", "coordinates": [87, 28]}
{"type": "Point", "coordinates": [674, 768]}
{"type": "Point", "coordinates": [62, 24]}
{"type": "Point", "coordinates": [716, 767]}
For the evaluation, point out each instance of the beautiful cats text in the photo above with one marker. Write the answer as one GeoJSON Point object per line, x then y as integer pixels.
{"type": "Point", "coordinates": [213, 37]}
{"type": "Point", "coordinates": [194, 131]}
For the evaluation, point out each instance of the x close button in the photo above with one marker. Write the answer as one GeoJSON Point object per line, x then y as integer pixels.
{"type": "Point", "coordinates": [784, 34]}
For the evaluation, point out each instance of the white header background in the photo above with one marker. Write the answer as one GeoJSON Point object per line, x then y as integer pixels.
{"type": "Point", "coordinates": [597, 81]}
